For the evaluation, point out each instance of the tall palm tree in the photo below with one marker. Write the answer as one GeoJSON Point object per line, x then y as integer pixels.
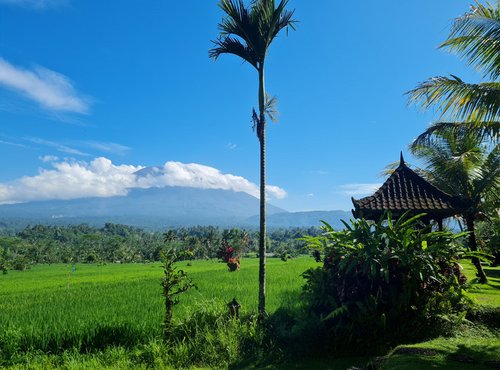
{"type": "Point", "coordinates": [248, 32]}
{"type": "Point", "coordinates": [462, 163]}
{"type": "Point", "coordinates": [475, 37]}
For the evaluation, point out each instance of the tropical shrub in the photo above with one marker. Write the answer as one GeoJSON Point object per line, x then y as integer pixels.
{"type": "Point", "coordinates": [488, 234]}
{"type": "Point", "coordinates": [228, 254]}
{"type": "Point", "coordinates": [385, 282]}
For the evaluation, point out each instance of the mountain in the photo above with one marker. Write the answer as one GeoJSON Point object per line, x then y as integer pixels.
{"type": "Point", "coordinates": [150, 208]}
{"type": "Point", "coordinates": [305, 219]}
{"type": "Point", "coordinates": [160, 206]}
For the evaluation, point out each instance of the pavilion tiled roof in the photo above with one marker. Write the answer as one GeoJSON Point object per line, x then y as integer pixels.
{"type": "Point", "coordinates": [405, 190]}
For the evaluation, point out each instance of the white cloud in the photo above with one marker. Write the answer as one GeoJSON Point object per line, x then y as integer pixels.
{"type": "Point", "coordinates": [70, 180]}
{"type": "Point", "coordinates": [106, 147]}
{"type": "Point", "coordinates": [101, 178]}
{"type": "Point", "coordinates": [112, 148]}
{"type": "Point", "coordinates": [10, 143]}
{"type": "Point", "coordinates": [51, 90]}
{"type": "Point", "coordinates": [48, 158]}
{"type": "Point", "coordinates": [204, 177]}
{"type": "Point", "coordinates": [35, 4]}
{"type": "Point", "coordinates": [359, 189]}
{"type": "Point", "coordinates": [59, 147]}
{"type": "Point", "coordinates": [231, 146]}
{"type": "Point", "coordinates": [275, 192]}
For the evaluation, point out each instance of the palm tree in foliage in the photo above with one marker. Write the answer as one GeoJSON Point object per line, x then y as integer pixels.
{"type": "Point", "coordinates": [475, 37]}
{"type": "Point", "coordinates": [462, 163]}
{"type": "Point", "coordinates": [247, 32]}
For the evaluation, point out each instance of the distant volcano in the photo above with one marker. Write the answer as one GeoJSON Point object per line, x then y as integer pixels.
{"type": "Point", "coordinates": [151, 208]}
{"type": "Point", "coordinates": [150, 171]}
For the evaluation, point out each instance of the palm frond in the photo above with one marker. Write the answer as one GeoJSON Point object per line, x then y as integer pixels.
{"type": "Point", "coordinates": [489, 181]}
{"type": "Point", "coordinates": [230, 45]}
{"type": "Point", "coordinates": [238, 34]}
{"type": "Point", "coordinates": [476, 38]}
{"type": "Point", "coordinates": [461, 162]}
{"type": "Point", "coordinates": [239, 22]}
{"type": "Point", "coordinates": [476, 104]}
{"type": "Point", "coordinates": [270, 20]}
{"type": "Point", "coordinates": [437, 129]}
{"type": "Point", "coordinates": [271, 108]}
{"type": "Point", "coordinates": [237, 18]}
{"type": "Point", "coordinates": [249, 31]}
{"type": "Point", "coordinates": [389, 169]}
{"type": "Point", "coordinates": [281, 18]}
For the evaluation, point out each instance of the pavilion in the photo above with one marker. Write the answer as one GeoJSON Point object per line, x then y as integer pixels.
{"type": "Point", "coordinates": [406, 191]}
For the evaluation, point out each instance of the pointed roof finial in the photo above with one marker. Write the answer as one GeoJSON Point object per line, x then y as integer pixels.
{"type": "Point", "coordinates": [401, 160]}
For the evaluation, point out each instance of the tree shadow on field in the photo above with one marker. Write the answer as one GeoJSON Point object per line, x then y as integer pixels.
{"type": "Point", "coordinates": [104, 336]}
{"type": "Point", "coordinates": [480, 353]}
{"type": "Point", "coordinates": [15, 344]}
{"type": "Point", "coordinates": [493, 273]}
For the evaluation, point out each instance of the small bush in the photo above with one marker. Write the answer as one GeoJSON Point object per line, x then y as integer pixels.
{"type": "Point", "coordinates": [229, 255]}
{"type": "Point", "coordinates": [210, 337]}
{"type": "Point", "coordinates": [385, 283]}
{"type": "Point", "coordinates": [484, 315]}
{"type": "Point", "coordinates": [174, 282]}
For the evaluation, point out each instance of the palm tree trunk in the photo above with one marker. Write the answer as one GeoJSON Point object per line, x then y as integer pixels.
{"type": "Point", "coordinates": [261, 131]}
{"type": "Point", "coordinates": [469, 219]}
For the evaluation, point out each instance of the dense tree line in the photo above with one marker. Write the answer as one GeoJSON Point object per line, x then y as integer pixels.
{"type": "Point", "coordinates": [119, 243]}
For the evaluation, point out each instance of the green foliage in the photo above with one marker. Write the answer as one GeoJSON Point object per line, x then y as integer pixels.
{"type": "Point", "coordinates": [102, 310]}
{"type": "Point", "coordinates": [475, 38]}
{"type": "Point", "coordinates": [248, 32]}
{"type": "Point", "coordinates": [14, 254]}
{"type": "Point", "coordinates": [485, 294]}
{"type": "Point", "coordinates": [124, 244]}
{"type": "Point", "coordinates": [473, 348]}
{"type": "Point", "coordinates": [206, 338]}
{"type": "Point", "coordinates": [385, 282]}
{"type": "Point", "coordinates": [110, 316]}
{"type": "Point", "coordinates": [463, 164]}
{"type": "Point", "coordinates": [4, 259]}
{"type": "Point", "coordinates": [209, 336]}
{"type": "Point", "coordinates": [174, 282]}
{"type": "Point", "coordinates": [488, 234]}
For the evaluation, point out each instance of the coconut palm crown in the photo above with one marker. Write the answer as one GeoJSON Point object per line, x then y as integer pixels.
{"type": "Point", "coordinates": [247, 32]}
{"type": "Point", "coordinates": [461, 163]}
{"type": "Point", "coordinates": [475, 37]}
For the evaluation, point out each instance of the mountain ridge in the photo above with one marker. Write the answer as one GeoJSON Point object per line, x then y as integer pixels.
{"type": "Point", "coordinates": [159, 208]}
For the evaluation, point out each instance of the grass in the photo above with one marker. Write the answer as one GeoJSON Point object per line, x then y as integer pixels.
{"type": "Point", "coordinates": [486, 294]}
{"type": "Point", "coordinates": [116, 292]}
{"type": "Point", "coordinates": [474, 347]}
{"type": "Point", "coordinates": [468, 352]}
{"type": "Point", "coordinates": [109, 317]}
{"type": "Point", "coordinates": [54, 309]}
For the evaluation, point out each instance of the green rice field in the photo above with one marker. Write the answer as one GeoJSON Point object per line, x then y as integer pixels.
{"type": "Point", "coordinates": [53, 308]}
{"type": "Point", "coordinates": [110, 316]}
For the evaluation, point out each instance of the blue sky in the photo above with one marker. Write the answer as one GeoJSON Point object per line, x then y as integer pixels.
{"type": "Point", "coordinates": [130, 83]}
